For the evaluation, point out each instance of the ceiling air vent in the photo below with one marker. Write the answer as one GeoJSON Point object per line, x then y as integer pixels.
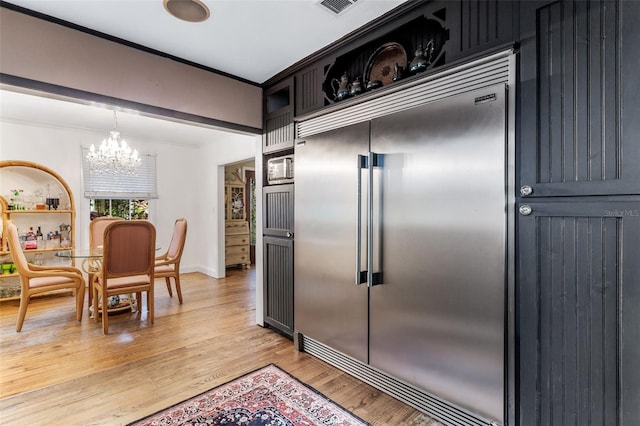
{"type": "Point", "coordinates": [337, 6]}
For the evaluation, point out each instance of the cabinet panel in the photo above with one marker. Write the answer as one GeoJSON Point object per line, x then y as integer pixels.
{"type": "Point", "coordinates": [477, 25]}
{"type": "Point", "coordinates": [279, 111]}
{"type": "Point", "coordinates": [579, 98]}
{"type": "Point", "coordinates": [278, 276]}
{"type": "Point", "coordinates": [278, 210]}
{"type": "Point", "coordinates": [579, 333]}
{"type": "Point", "coordinates": [309, 94]}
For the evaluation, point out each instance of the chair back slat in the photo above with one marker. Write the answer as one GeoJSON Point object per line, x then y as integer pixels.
{"type": "Point", "coordinates": [129, 248]}
{"type": "Point", "coordinates": [96, 229]}
{"type": "Point", "coordinates": [177, 239]}
{"type": "Point", "coordinates": [19, 259]}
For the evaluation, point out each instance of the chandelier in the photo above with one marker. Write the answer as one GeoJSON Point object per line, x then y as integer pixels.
{"type": "Point", "coordinates": [113, 156]}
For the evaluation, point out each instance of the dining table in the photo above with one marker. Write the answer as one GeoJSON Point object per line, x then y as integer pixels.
{"type": "Point", "coordinates": [91, 264]}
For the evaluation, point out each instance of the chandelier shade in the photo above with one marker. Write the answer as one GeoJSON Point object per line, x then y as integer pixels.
{"type": "Point", "coordinates": [113, 156]}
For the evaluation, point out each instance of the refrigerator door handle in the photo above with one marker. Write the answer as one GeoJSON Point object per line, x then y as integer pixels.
{"type": "Point", "coordinates": [375, 248]}
{"type": "Point", "coordinates": [373, 278]}
{"type": "Point", "coordinates": [361, 276]}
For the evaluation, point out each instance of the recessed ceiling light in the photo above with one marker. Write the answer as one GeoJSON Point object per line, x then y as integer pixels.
{"type": "Point", "coordinates": [187, 10]}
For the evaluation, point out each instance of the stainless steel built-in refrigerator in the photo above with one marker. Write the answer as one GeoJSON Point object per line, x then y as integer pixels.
{"type": "Point", "coordinates": [401, 245]}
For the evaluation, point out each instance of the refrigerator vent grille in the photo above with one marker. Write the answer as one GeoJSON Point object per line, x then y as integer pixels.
{"type": "Point", "coordinates": [431, 405]}
{"type": "Point", "coordinates": [465, 78]}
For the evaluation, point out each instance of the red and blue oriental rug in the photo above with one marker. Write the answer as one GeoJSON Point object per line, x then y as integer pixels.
{"type": "Point", "coordinates": [268, 396]}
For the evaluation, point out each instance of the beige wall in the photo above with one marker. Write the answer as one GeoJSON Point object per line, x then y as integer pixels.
{"type": "Point", "coordinates": [40, 50]}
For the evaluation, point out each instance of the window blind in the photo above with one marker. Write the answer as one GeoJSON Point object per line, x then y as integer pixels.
{"type": "Point", "coordinates": [141, 186]}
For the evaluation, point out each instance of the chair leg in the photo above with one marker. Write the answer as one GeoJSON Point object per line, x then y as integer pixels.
{"type": "Point", "coordinates": [80, 301]}
{"type": "Point", "coordinates": [150, 304]}
{"type": "Point", "coordinates": [178, 289]}
{"type": "Point", "coordinates": [168, 281]}
{"type": "Point", "coordinates": [105, 315]}
{"type": "Point", "coordinates": [139, 301]}
{"type": "Point", "coordinates": [22, 311]}
{"type": "Point", "coordinates": [95, 303]}
{"type": "Point", "coordinates": [90, 288]}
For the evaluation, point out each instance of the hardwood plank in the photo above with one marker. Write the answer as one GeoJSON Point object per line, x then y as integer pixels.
{"type": "Point", "coordinates": [59, 371]}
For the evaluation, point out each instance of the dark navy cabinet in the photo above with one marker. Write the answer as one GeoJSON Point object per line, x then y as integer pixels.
{"type": "Point", "coordinates": [578, 334]}
{"type": "Point", "coordinates": [278, 257]}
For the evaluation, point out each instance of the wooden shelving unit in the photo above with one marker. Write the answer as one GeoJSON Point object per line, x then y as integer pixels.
{"type": "Point", "coordinates": [36, 183]}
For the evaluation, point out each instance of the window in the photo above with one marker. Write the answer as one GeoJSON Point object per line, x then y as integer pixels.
{"type": "Point", "coordinates": [141, 186]}
{"type": "Point", "coordinates": [122, 196]}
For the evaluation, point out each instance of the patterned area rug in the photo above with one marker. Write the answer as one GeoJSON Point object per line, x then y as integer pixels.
{"type": "Point", "coordinates": [268, 396]}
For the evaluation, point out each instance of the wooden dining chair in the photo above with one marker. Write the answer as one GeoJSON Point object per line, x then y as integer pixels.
{"type": "Point", "coordinates": [127, 266]}
{"type": "Point", "coordinates": [36, 279]}
{"type": "Point", "coordinates": [167, 266]}
{"type": "Point", "coordinates": [96, 239]}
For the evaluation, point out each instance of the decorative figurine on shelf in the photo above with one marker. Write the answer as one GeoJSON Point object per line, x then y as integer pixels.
{"type": "Point", "coordinates": [53, 202]}
{"type": "Point", "coordinates": [422, 58]}
{"type": "Point", "coordinates": [16, 200]}
{"type": "Point", "coordinates": [398, 73]}
{"type": "Point", "coordinates": [356, 87]}
{"type": "Point", "coordinates": [341, 88]}
{"type": "Point", "coordinates": [374, 84]}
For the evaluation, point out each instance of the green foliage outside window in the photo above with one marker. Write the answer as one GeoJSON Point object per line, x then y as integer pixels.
{"type": "Point", "coordinates": [127, 209]}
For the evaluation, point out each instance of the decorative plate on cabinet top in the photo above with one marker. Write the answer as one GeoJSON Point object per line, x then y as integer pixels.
{"type": "Point", "coordinates": [382, 63]}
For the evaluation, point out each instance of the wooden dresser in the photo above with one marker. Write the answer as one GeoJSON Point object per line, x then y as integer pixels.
{"type": "Point", "coordinates": [236, 243]}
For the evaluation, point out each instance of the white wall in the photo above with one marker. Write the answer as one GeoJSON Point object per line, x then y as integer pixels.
{"type": "Point", "coordinates": [188, 181]}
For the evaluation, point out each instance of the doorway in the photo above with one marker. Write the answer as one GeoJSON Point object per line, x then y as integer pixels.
{"type": "Point", "coordinates": [240, 214]}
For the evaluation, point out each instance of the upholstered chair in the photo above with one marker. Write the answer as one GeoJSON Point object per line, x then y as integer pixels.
{"type": "Point", "coordinates": [36, 279]}
{"type": "Point", "coordinates": [127, 266]}
{"type": "Point", "coordinates": [96, 239]}
{"type": "Point", "coordinates": [167, 266]}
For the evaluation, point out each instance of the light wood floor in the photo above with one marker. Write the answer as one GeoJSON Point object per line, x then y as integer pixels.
{"type": "Point", "coordinates": [61, 372]}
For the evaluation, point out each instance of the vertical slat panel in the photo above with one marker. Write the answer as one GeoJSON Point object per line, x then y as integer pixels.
{"type": "Point", "coordinates": [482, 23]}
{"type": "Point", "coordinates": [610, 289]}
{"type": "Point", "coordinates": [579, 92]}
{"type": "Point", "coordinates": [473, 24]}
{"type": "Point", "coordinates": [569, 156]}
{"type": "Point", "coordinates": [584, 276]}
{"type": "Point", "coordinates": [544, 140]}
{"type": "Point", "coordinates": [610, 17]}
{"type": "Point", "coordinates": [595, 321]}
{"type": "Point", "coordinates": [278, 205]}
{"type": "Point", "coordinates": [594, 76]}
{"type": "Point", "coordinates": [309, 90]}
{"type": "Point", "coordinates": [279, 129]}
{"type": "Point", "coordinates": [579, 282]}
{"type": "Point", "coordinates": [278, 253]}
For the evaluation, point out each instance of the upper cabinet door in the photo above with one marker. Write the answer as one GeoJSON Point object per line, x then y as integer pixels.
{"type": "Point", "coordinates": [579, 105]}
{"type": "Point", "coordinates": [478, 25]}
{"type": "Point", "coordinates": [309, 94]}
{"type": "Point", "coordinates": [278, 117]}
{"type": "Point", "coordinates": [277, 214]}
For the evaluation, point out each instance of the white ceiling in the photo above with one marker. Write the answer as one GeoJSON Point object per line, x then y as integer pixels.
{"type": "Point", "coordinates": [251, 39]}
{"type": "Point", "coordinates": [30, 109]}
